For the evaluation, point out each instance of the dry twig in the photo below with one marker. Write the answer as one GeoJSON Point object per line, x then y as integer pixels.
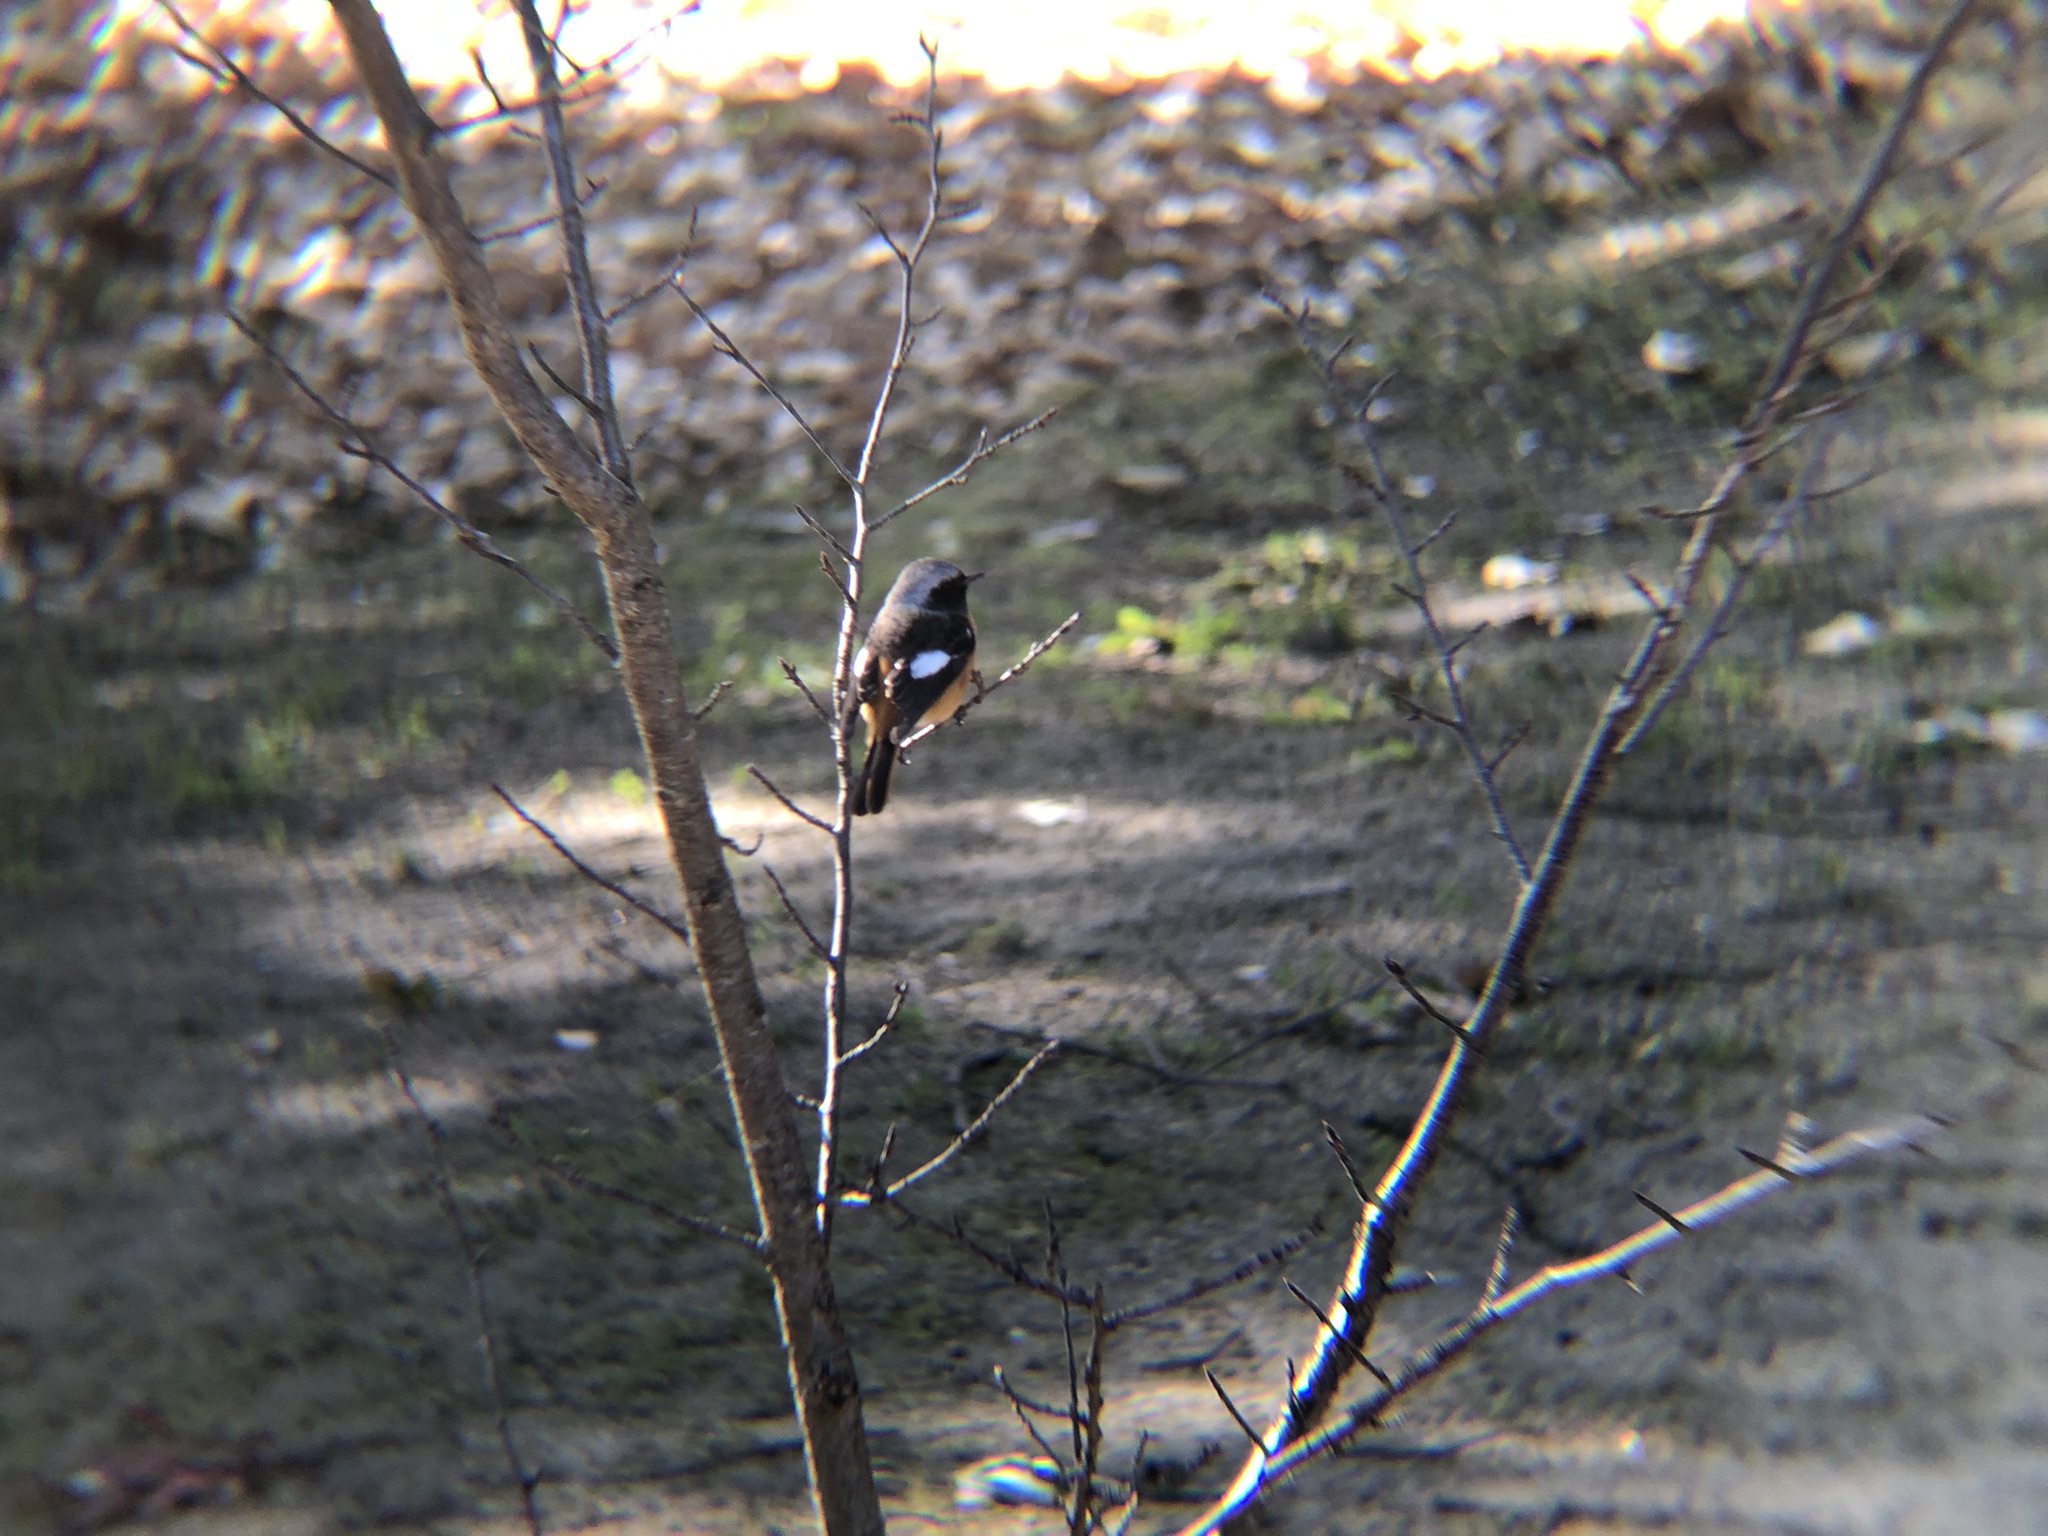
{"type": "Point", "coordinates": [479, 1298]}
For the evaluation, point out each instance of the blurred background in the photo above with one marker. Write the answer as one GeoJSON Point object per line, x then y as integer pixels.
{"type": "Point", "coordinates": [254, 697]}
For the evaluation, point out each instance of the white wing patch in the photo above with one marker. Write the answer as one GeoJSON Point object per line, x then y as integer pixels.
{"type": "Point", "coordinates": [929, 663]}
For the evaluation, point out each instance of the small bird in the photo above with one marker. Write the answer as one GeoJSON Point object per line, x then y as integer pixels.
{"type": "Point", "coordinates": [914, 670]}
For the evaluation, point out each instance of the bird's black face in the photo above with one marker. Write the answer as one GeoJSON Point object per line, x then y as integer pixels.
{"type": "Point", "coordinates": [950, 595]}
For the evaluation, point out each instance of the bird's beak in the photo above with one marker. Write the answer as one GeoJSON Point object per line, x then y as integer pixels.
{"type": "Point", "coordinates": [976, 577]}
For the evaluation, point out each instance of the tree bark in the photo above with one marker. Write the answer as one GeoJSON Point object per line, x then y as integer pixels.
{"type": "Point", "coordinates": [821, 1368]}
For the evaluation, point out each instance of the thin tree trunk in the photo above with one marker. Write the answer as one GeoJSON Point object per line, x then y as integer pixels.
{"type": "Point", "coordinates": [821, 1368]}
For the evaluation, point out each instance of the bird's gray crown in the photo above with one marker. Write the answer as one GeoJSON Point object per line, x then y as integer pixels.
{"type": "Point", "coordinates": [930, 583]}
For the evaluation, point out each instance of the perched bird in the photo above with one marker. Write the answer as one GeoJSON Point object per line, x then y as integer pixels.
{"type": "Point", "coordinates": [914, 670]}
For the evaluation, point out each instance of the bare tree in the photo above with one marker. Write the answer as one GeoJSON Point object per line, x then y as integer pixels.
{"type": "Point", "coordinates": [1662, 662]}
{"type": "Point", "coordinates": [794, 1208]}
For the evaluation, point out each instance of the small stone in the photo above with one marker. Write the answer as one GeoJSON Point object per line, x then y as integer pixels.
{"type": "Point", "coordinates": [1150, 479]}
{"type": "Point", "coordinates": [1674, 353]}
{"type": "Point", "coordinates": [1861, 356]}
{"type": "Point", "coordinates": [1053, 813]}
{"type": "Point", "coordinates": [1012, 1480]}
{"type": "Point", "coordinates": [1511, 572]}
{"type": "Point", "coordinates": [1843, 635]}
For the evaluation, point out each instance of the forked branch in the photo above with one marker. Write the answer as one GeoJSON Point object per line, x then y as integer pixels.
{"type": "Point", "coordinates": [1297, 1431]}
{"type": "Point", "coordinates": [1614, 1262]}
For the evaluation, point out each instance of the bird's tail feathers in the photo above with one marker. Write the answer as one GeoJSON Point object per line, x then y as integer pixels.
{"type": "Point", "coordinates": [871, 789]}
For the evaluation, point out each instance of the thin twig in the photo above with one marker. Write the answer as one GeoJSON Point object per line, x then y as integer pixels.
{"type": "Point", "coordinates": [467, 534]}
{"type": "Point", "coordinates": [573, 1176]}
{"type": "Point", "coordinates": [590, 322]}
{"type": "Point", "coordinates": [1610, 1263]}
{"type": "Point", "coordinates": [304, 129]}
{"type": "Point", "coordinates": [1354, 413]}
{"type": "Point", "coordinates": [1400, 974]}
{"type": "Point", "coordinates": [1337, 1333]}
{"type": "Point", "coordinates": [983, 449]}
{"type": "Point", "coordinates": [854, 1053]}
{"type": "Point", "coordinates": [1005, 1265]}
{"type": "Point", "coordinates": [1647, 1204]}
{"type": "Point", "coordinates": [472, 1259]}
{"type": "Point", "coordinates": [1024, 1407]}
{"type": "Point", "coordinates": [1497, 1276]}
{"type": "Point", "coordinates": [662, 283]}
{"type": "Point", "coordinates": [583, 869]}
{"type": "Point", "coordinates": [788, 804]}
{"type": "Point", "coordinates": [718, 691]}
{"type": "Point", "coordinates": [1242, 1422]}
{"type": "Point", "coordinates": [1336, 1144]}
{"type": "Point", "coordinates": [959, 1143]}
{"type": "Point", "coordinates": [816, 943]}
{"type": "Point", "coordinates": [1772, 1165]}
{"type": "Point", "coordinates": [727, 347]}
{"type": "Point", "coordinates": [1278, 1254]}
{"type": "Point", "coordinates": [796, 681]}
{"type": "Point", "coordinates": [592, 191]}
{"type": "Point", "coordinates": [1721, 619]}
{"type": "Point", "coordinates": [831, 539]}
{"type": "Point", "coordinates": [1010, 674]}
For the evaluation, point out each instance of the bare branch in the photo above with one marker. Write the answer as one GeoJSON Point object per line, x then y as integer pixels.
{"type": "Point", "coordinates": [573, 1176]}
{"type": "Point", "coordinates": [1721, 619]}
{"type": "Point", "coordinates": [1336, 1144]}
{"type": "Point", "coordinates": [1337, 1334]}
{"type": "Point", "coordinates": [1022, 666]}
{"type": "Point", "coordinates": [1024, 1408]}
{"type": "Point", "coordinates": [554, 378]}
{"type": "Point", "coordinates": [583, 869]}
{"type": "Point", "coordinates": [304, 129]}
{"type": "Point", "coordinates": [1769, 1164]}
{"type": "Point", "coordinates": [718, 691]}
{"type": "Point", "coordinates": [471, 537]}
{"type": "Point", "coordinates": [881, 1029]}
{"type": "Point", "coordinates": [1082, 1514]}
{"type": "Point", "coordinates": [1429, 538]}
{"type": "Point", "coordinates": [727, 347]}
{"type": "Point", "coordinates": [1647, 1204]}
{"type": "Point", "coordinates": [1010, 1268]}
{"type": "Point", "coordinates": [907, 259]}
{"type": "Point", "coordinates": [591, 192]}
{"type": "Point", "coordinates": [831, 539]}
{"type": "Point", "coordinates": [1237, 1275]}
{"type": "Point", "coordinates": [661, 284]}
{"type": "Point", "coordinates": [788, 804]}
{"type": "Point", "coordinates": [1242, 1422]}
{"type": "Point", "coordinates": [1363, 1286]}
{"type": "Point", "coordinates": [1497, 1276]}
{"type": "Point", "coordinates": [796, 681]}
{"type": "Point", "coordinates": [479, 1298]}
{"type": "Point", "coordinates": [817, 944]}
{"type": "Point", "coordinates": [983, 449]}
{"type": "Point", "coordinates": [959, 1143]}
{"type": "Point", "coordinates": [590, 322]}
{"type": "Point", "coordinates": [1400, 974]}
{"type": "Point", "coordinates": [1610, 1263]}
{"type": "Point", "coordinates": [1354, 413]}
{"type": "Point", "coordinates": [823, 1381]}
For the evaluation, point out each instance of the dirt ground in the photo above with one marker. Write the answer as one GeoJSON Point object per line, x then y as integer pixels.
{"type": "Point", "coordinates": [249, 844]}
{"type": "Point", "coordinates": [216, 1208]}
